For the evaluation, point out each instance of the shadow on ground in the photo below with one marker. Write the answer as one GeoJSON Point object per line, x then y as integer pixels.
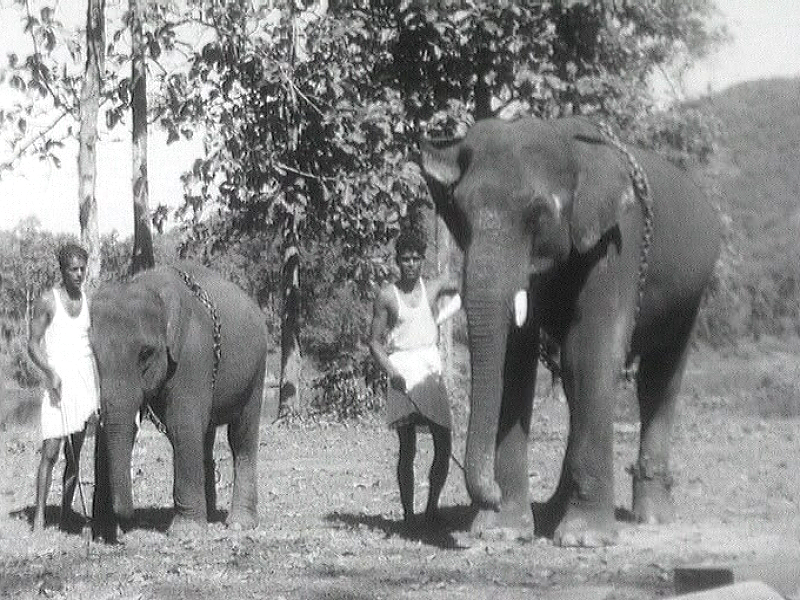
{"type": "Point", "coordinates": [152, 518]}
{"type": "Point", "coordinates": [439, 534]}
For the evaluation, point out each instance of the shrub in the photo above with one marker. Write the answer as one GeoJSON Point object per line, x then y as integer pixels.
{"type": "Point", "coordinates": [22, 369]}
{"type": "Point", "coordinates": [344, 394]}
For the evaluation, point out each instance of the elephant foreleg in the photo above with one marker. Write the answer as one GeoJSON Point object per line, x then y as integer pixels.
{"type": "Point", "coordinates": [189, 475]}
{"type": "Point", "coordinates": [583, 504]}
{"type": "Point", "coordinates": [243, 436]}
{"type": "Point", "coordinates": [104, 523]}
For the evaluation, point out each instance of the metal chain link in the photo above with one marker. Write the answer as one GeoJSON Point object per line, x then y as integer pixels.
{"type": "Point", "coordinates": [641, 188]}
{"type": "Point", "coordinates": [202, 295]}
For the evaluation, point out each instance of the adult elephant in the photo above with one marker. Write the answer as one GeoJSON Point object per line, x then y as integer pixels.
{"type": "Point", "coordinates": [191, 346]}
{"type": "Point", "coordinates": [608, 251]}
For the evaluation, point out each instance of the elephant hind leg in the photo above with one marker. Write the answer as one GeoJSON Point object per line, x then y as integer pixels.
{"type": "Point", "coordinates": [658, 383]}
{"type": "Point", "coordinates": [210, 468]}
{"type": "Point", "coordinates": [243, 437]}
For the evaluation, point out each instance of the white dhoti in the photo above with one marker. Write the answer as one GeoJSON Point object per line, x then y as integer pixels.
{"type": "Point", "coordinates": [79, 399]}
{"type": "Point", "coordinates": [426, 395]}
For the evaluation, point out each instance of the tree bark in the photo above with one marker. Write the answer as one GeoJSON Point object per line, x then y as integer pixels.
{"type": "Point", "coordinates": [291, 358]}
{"type": "Point", "coordinates": [142, 237]}
{"type": "Point", "coordinates": [289, 391]}
{"type": "Point", "coordinates": [445, 329]}
{"type": "Point", "coordinates": [87, 142]}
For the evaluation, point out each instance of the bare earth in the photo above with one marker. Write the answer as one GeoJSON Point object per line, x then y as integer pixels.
{"type": "Point", "coordinates": [331, 520]}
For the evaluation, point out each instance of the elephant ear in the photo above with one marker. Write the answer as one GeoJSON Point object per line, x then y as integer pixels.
{"type": "Point", "coordinates": [443, 163]}
{"type": "Point", "coordinates": [440, 161]}
{"type": "Point", "coordinates": [176, 314]}
{"type": "Point", "coordinates": [603, 190]}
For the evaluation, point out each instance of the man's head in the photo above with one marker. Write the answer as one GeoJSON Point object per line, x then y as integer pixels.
{"type": "Point", "coordinates": [409, 253]}
{"type": "Point", "coordinates": [410, 240]}
{"type": "Point", "coordinates": [72, 260]}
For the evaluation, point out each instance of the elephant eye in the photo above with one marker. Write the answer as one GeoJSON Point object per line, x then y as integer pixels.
{"type": "Point", "coordinates": [145, 353]}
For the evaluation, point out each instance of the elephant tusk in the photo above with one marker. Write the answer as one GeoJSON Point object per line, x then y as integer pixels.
{"type": "Point", "coordinates": [520, 307]}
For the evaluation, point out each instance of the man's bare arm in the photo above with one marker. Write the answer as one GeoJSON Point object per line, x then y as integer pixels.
{"type": "Point", "coordinates": [380, 327]}
{"type": "Point", "coordinates": [43, 311]}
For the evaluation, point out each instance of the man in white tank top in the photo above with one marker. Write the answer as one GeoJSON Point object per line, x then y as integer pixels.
{"type": "Point", "coordinates": [59, 346]}
{"type": "Point", "coordinates": [403, 342]}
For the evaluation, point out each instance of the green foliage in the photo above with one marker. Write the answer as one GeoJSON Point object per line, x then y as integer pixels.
{"type": "Point", "coordinates": [754, 179]}
{"type": "Point", "coordinates": [341, 394]}
{"type": "Point", "coordinates": [311, 122]}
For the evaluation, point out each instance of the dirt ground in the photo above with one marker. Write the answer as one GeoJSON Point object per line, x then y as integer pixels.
{"type": "Point", "coordinates": [330, 511]}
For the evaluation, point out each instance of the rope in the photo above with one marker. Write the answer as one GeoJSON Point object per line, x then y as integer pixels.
{"type": "Point", "coordinates": [641, 188]}
{"type": "Point", "coordinates": [86, 529]}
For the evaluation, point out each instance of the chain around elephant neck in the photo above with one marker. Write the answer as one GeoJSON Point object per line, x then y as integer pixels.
{"type": "Point", "coordinates": [202, 295]}
{"type": "Point", "coordinates": [641, 188]}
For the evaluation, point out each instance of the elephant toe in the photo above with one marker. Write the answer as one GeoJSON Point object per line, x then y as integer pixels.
{"type": "Point", "coordinates": [652, 503]}
{"type": "Point", "coordinates": [241, 522]}
{"type": "Point", "coordinates": [184, 527]}
{"type": "Point", "coordinates": [589, 530]}
{"type": "Point", "coordinates": [507, 524]}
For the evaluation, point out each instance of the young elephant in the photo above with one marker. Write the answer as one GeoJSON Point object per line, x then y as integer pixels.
{"type": "Point", "coordinates": [193, 346]}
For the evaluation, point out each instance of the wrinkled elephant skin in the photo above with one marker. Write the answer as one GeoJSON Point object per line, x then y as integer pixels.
{"type": "Point", "coordinates": [154, 339]}
{"type": "Point", "coordinates": [553, 238]}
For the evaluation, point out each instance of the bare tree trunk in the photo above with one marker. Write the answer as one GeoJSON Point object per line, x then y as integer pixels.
{"type": "Point", "coordinates": [291, 358]}
{"type": "Point", "coordinates": [142, 237]}
{"type": "Point", "coordinates": [87, 149]}
{"type": "Point", "coordinates": [289, 391]}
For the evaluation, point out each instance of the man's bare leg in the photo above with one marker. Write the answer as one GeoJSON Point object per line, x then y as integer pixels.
{"type": "Point", "coordinates": [407, 436]}
{"type": "Point", "coordinates": [72, 456]}
{"type": "Point", "coordinates": [442, 447]}
{"type": "Point", "coordinates": [44, 475]}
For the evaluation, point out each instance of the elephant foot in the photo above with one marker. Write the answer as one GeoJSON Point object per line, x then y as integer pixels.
{"type": "Point", "coordinates": [240, 521]}
{"type": "Point", "coordinates": [186, 527]}
{"type": "Point", "coordinates": [586, 528]}
{"type": "Point", "coordinates": [652, 496]}
{"type": "Point", "coordinates": [511, 522]}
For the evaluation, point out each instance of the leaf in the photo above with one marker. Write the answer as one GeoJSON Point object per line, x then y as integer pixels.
{"type": "Point", "coordinates": [153, 47]}
{"type": "Point", "coordinates": [17, 83]}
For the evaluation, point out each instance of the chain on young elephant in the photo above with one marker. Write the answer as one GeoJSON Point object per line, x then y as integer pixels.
{"type": "Point", "coordinates": [641, 188]}
{"type": "Point", "coordinates": [204, 298]}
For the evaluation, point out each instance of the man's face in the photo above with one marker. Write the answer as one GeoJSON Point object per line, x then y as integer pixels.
{"type": "Point", "coordinates": [74, 272]}
{"type": "Point", "coordinates": [410, 263]}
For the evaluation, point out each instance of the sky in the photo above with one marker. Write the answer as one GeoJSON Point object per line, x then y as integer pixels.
{"type": "Point", "coordinates": [766, 43]}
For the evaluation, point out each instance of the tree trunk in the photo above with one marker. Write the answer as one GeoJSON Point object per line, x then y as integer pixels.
{"type": "Point", "coordinates": [291, 364]}
{"type": "Point", "coordinates": [87, 149]}
{"type": "Point", "coordinates": [289, 391]}
{"type": "Point", "coordinates": [142, 237]}
{"type": "Point", "coordinates": [445, 329]}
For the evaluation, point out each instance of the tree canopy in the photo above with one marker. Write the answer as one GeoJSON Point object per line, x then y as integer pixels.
{"type": "Point", "coordinates": [311, 114]}
{"type": "Point", "coordinates": [322, 147]}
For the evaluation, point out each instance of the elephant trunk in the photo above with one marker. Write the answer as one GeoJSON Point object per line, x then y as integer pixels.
{"type": "Point", "coordinates": [120, 402]}
{"type": "Point", "coordinates": [119, 438]}
{"type": "Point", "coordinates": [488, 319]}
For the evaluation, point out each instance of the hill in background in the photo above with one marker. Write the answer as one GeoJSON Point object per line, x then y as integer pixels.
{"type": "Point", "coordinates": [756, 171]}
